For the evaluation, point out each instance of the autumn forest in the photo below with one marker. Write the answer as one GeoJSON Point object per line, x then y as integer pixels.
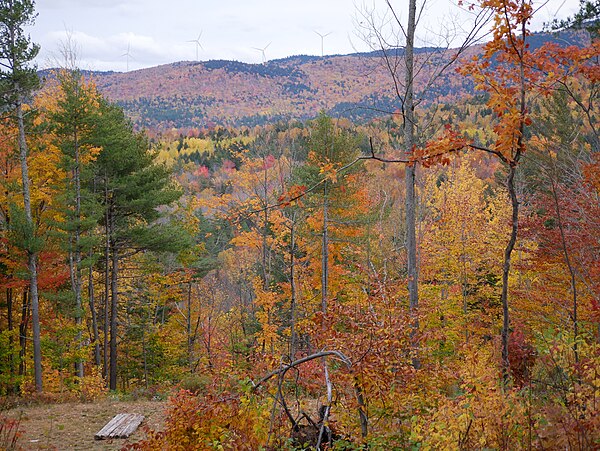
{"type": "Point", "coordinates": [422, 277]}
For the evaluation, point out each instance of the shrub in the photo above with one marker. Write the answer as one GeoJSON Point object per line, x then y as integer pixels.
{"type": "Point", "coordinates": [195, 383]}
{"type": "Point", "coordinates": [10, 433]}
{"type": "Point", "coordinates": [221, 418]}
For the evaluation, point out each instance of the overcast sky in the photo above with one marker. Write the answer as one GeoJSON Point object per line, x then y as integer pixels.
{"type": "Point", "coordinates": [154, 32]}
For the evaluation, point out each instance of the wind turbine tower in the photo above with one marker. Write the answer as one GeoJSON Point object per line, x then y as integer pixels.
{"type": "Point", "coordinates": [127, 55]}
{"type": "Point", "coordinates": [264, 56]}
{"type": "Point", "coordinates": [198, 44]}
{"type": "Point", "coordinates": [322, 36]}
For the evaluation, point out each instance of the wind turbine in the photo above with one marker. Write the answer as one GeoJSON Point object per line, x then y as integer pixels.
{"type": "Point", "coordinates": [127, 55]}
{"type": "Point", "coordinates": [322, 36]}
{"type": "Point", "coordinates": [264, 57]}
{"type": "Point", "coordinates": [198, 45]}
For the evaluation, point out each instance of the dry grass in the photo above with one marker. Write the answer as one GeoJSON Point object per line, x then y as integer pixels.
{"type": "Point", "coordinates": [71, 426]}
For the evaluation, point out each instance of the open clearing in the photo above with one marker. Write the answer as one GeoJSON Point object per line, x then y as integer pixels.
{"type": "Point", "coordinates": [71, 426]}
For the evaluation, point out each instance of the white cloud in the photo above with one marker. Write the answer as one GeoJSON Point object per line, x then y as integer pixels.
{"type": "Point", "coordinates": [157, 31]}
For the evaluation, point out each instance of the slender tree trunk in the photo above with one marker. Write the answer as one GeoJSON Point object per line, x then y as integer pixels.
{"type": "Point", "coordinates": [362, 407]}
{"type": "Point", "coordinates": [208, 341]}
{"type": "Point", "coordinates": [465, 309]}
{"type": "Point", "coordinates": [113, 316]}
{"type": "Point", "coordinates": [510, 184]}
{"type": "Point", "coordinates": [11, 326]}
{"type": "Point", "coordinates": [145, 361]}
{"type": "Point", "coordinates": [106, 331]}
{"type": "Point", "coordinates": [92, 301]}
{"type": "Point", "coordinates": [75, 257]}
{"type": "Point", "coordinates": [565, 250]}
{"type": "Point", "coordinates": [265, 232]}
{"type": "Point", "coordinates": [77, 254]}
{"type": "Point", "coordinates": [9, 314]}
{"type": "Point", "coordinates": [31, 253]}
{"type": "Point", "coordinates": [464, 281]}
{"type": "Point", "coordinates": [325, 252]}
{"type": "Point", "coordinates": [107, 232]}
{"type": "Point", "coordinates": [194, 339]}
{"type": "Point", "coordinates": [410, 171]}
{"type": "Point", "coordinates": [23, 325]}
{"type": "Point", "coordinates": [190, 340]}
{"type": "Point", "coordinates": [293, 291]}
{"type": "Point", "coordinates": [9, 307]}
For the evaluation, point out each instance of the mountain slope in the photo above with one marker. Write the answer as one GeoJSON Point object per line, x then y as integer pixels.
{"type": "Point", "coordinates": [200, 94]}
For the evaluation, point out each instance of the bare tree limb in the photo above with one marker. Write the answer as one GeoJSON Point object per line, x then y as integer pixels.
{"type": "Point", "coordinates": [285, 368]}
{"type": "Point", "coordinates": [327, 407]}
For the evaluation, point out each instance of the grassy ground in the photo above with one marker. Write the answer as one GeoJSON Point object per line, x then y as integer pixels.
{"type": "Point", "coordinates": [71, 426]}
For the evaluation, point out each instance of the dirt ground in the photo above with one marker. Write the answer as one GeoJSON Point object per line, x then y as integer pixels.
{"type": "Point", "coordinates": [71, 426]}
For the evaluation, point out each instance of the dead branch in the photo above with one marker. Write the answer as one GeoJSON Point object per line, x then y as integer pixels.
{"type": "Point", "coordinates": [322, 430]}
{"type": "Point", "coordinates": [285, 368]}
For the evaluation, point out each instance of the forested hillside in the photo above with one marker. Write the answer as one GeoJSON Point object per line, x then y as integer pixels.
{"type": "Point", "coordinates": [193, 95]}
{"type": "Point", "coordinates": [423, 279]}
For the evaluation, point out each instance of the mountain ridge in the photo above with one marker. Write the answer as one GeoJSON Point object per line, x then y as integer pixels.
{"type": "Point", "coordinates": [201, 94]}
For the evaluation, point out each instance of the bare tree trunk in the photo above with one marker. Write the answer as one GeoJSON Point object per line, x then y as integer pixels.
{"type": "Point", "coordinates": [293, 291]}
{"type": "Point", "coordinates": [325, 252]}
{"type": "Point", "coordinates": [190, 338]}
{"type": "Point", "coordinates": [92, 301]}
{"type": "Point", "coordinates": [464, 281]}
{"type": "Point", "coordinates": [31, 253]}
{"type": "Point", "coordinates": [23, 325]}
{"type": "Point", "coordinates": [410, 173]}
{"type": "Point", "coordinates": [265, 232]}
{"type": "Point", "coordinates": [11, 327]}
{"type": "Point", "coordinates": [105, 326]}
{"type": "Point", "coordinates": [9, 314]}
{"type": "Point", "coordinates": [563, 241]}
{"type": "Point", "coordinates": [510, 184]}
{"type": "Point", "coordinates": [405, 92]}
{"type": "Point", "coordinates": [362, 407]}
{"type": "Point", "coordinates": [113, 316]}
{"type": "Point", "coordinates": [77, 254]}
{"type": "Point", "coordinates": [208, 341]}
{"type": "Point", "coordinates": [144, 357]}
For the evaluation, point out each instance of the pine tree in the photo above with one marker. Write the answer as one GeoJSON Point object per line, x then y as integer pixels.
{"type": "Point", "coordinates": [18, 79]}
{"type": "Point", "coordinates": [132, 187]}
{"type": "Point", "coordinates": [73, 122]}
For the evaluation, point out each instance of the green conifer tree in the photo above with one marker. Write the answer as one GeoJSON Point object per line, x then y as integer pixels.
{"type": "Point", "coordinates": [18, 79]}
{"type": "Point", "coordinates": [132, 187]}
{"type": "Point", "coordinates": [73, 123]}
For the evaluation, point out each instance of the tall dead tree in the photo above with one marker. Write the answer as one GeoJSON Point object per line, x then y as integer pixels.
{"type": "Point", "coordinates": [395, 40]}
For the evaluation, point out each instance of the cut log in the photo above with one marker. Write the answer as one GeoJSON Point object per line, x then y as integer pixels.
{"type": "Point", "coordinates": [121, 426]}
